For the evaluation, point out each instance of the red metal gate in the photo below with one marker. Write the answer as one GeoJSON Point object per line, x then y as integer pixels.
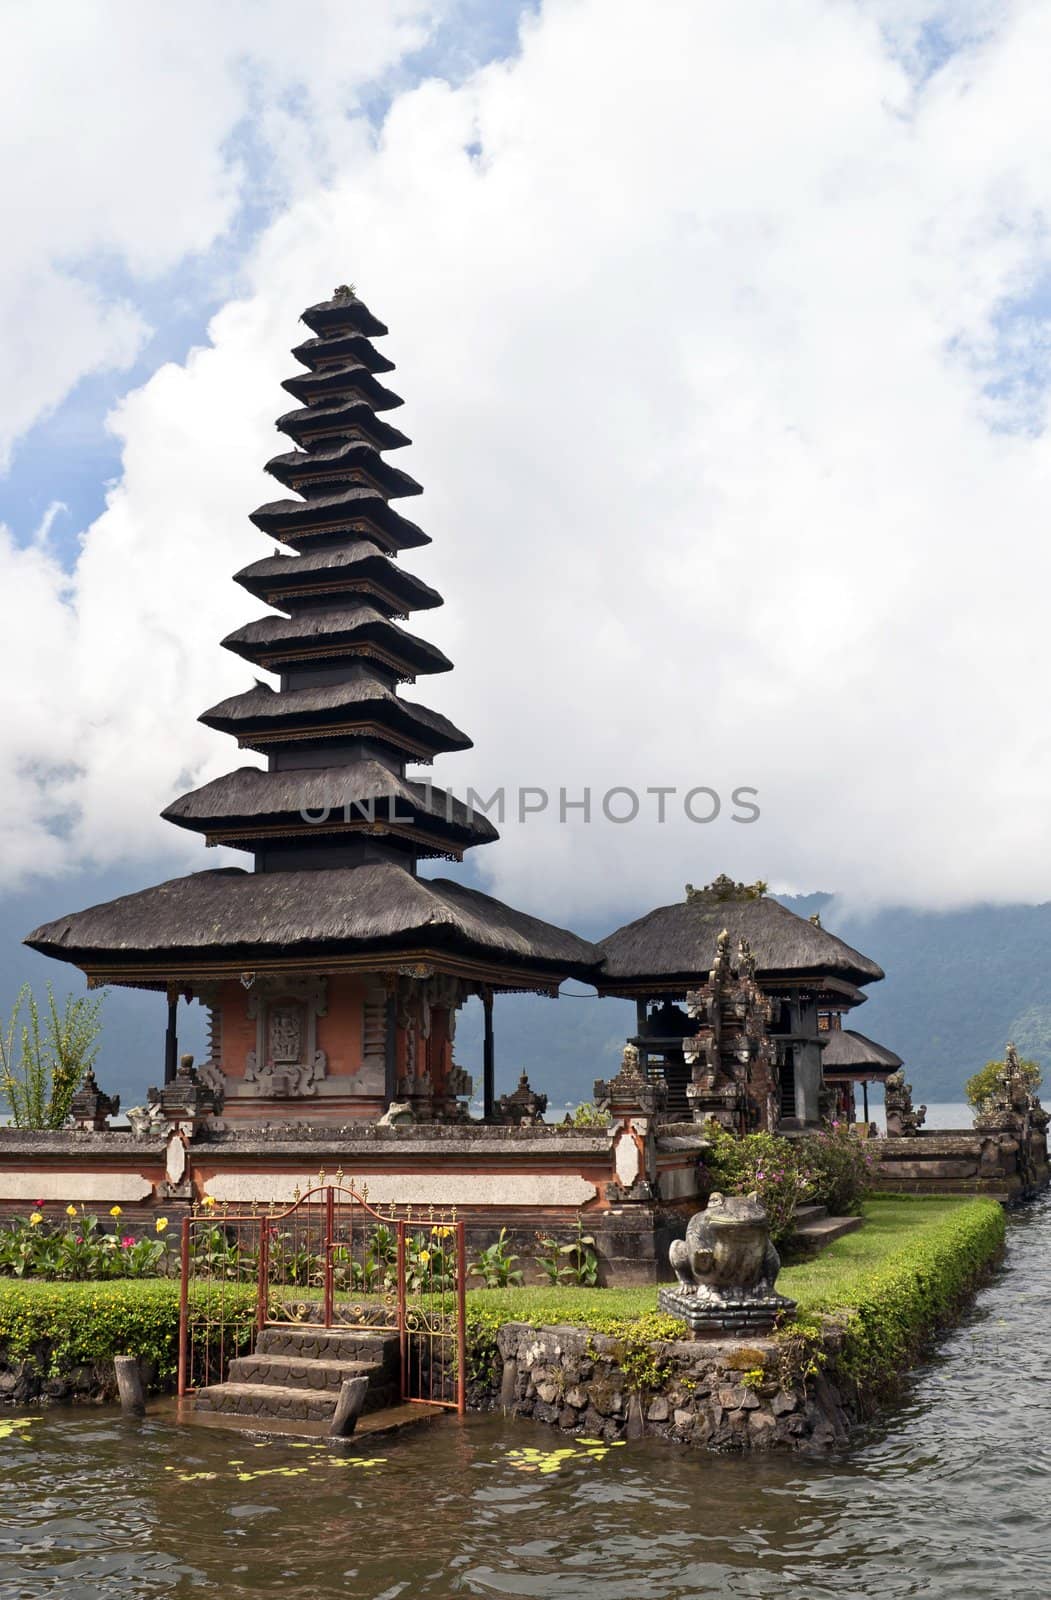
{"type": "Point", "coordinates": [333, 1260]}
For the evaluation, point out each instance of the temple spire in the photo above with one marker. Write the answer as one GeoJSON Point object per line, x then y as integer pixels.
{"type": "Point", "coordinates": [335, 731]}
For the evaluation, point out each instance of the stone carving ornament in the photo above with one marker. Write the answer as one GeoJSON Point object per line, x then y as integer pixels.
{"type": "Point", "coordinates": [727, 1267]}
{"type": "Point", "coordinates": [286, 1063]}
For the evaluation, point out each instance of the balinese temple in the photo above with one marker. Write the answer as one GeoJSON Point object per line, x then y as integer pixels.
{"type": "Point", "coordinates": [803, 973]}
{"type": "Point", "coordinates": [331, 969]}
{"type": "Point", "coordinates": [851, 1062]}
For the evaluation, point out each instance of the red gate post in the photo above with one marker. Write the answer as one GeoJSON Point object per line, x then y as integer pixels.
{"type": "Point", "coordinates": [328, 1245]}
{"type": "Point", "coordinates": [262, 1299]}
{"type": "Point", "coordinates": [403, 1334]}
{"type": "Point", "coordinates": [461, 1319]}
{"type": "Point", "coordinates": [184, 1302]}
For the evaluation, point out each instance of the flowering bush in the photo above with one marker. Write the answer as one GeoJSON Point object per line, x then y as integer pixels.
{"type": "Point", "coordinates": [841, 1165]}
{"type": "Point", "coordinates": [775, 1169]}
{"type": "Point", "coordinates": [79, 1249]}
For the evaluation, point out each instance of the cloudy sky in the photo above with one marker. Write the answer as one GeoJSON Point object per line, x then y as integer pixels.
{"type": "Point", "coordinates": [723, 331]}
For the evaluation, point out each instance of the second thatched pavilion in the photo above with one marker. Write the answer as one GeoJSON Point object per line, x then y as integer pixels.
{"type": "Point", "coordinates": [807, 975]}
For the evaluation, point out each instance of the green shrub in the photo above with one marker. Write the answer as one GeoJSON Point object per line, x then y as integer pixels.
{"type": "Point", "coordinates": [587, 1115]}
{"type": "Point", "coordinates": [43, 1058]}
{"type": "Point", "coordinates": [773, 1168]}
{"type": "Point", "coordinates": [57, 1326]}
{"type": "Point", "coordinates": [984, 1084]}
{"type": "Point", "coordinates": [496, 1264]}
{"type": "Point", "coordinates": [841, 1168]}
{"type": "Point", "coordinates": [81, 1249]}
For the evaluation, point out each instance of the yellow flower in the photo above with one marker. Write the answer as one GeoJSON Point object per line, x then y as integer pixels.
{"type": "Point", "coordinates": [209, 1201]}
{"type": "Point", "coordinates": [160, 1224]}
{"type": "Point", "coordinates": [425, 1256]}
{"type": "Point", "coordinates": [115, 1211]}
{"type": "Point", "coordinates": [35, 1220]}
{"type": "Point", "coordinates": [440, 1233]}
{"type": "Point", "coordinates": [71, 1211]}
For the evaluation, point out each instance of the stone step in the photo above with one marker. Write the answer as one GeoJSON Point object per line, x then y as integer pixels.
{"type": "Point", "coordinates": [292, 1372]}
{"type": "Point", "coordinates": [267, 1400]}
{"type": "Point", "coordinates": [809, 1214]}
{"type": "Point", "coordinates": [822, 1230]}
{"type": "Point", "coordinates": [310, 1342]}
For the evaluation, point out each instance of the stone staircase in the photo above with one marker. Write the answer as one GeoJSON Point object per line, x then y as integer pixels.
{"type": "Point", "coordinates": [296, 1372]}
{"type": "Point", "coordinates": [814, 1228]}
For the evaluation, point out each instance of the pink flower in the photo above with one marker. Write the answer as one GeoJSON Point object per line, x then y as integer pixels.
{"type": "Point", "coordinates": [127, 1241]}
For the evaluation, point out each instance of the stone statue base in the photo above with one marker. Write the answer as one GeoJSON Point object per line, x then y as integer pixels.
{"type": "Point", "coordinates": [715, 1315]}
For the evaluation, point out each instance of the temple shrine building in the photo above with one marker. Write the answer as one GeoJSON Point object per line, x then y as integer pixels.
{"type": "Point", "coordinates": [331, 970]}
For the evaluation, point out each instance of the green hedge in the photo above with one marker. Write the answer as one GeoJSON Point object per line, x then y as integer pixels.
{"type": "Point", "coordinates": [63, 1325]}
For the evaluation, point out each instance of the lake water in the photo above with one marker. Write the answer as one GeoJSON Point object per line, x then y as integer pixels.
{"type": "Point", "coordinates": [946, 1498]}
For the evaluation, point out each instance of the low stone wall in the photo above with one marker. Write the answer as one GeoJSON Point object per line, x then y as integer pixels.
{"type": "Point", "coordinates": [528, 1179]}
{"type": "Point", "coordinates": [713, 1394]}
{"type": "Point", "coordinates": [962, 1161]}
{"type": "Point", "coordinates": [86, 1383]}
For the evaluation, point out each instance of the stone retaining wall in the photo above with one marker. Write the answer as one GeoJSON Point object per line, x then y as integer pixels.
{"type": "Point", "coordinates": [713, 1394]}
{"type": "Point", "coordinates": [962, 1161]}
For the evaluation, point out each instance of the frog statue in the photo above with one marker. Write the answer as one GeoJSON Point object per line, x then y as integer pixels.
{"type": "Point", "coordinates": [726, 1267]}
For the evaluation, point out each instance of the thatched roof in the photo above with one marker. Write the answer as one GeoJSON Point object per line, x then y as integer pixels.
{"type": "Point", "coordinates": [344, 310]}
{"type": "Point", "coordinates": [376, 907]}
{"type": "Point", "coordinates": [852, 1055]}
{"type": "Point", "coordinates": [264, 710]}
{"type": "Point", "coordinates": [343, 418]}
{"type": "Point", "coordinates": [348, 378]}
{"type": "Point", "coordinates": [335, 628]}
{"type": "Point", "coordinates": [357, 563]}
{"type": "Point", "coordinates": [679, 941]}
{"type": "Point", "coordinates": [319, 471]}
{"type": "Point", "coordinates": [250, 797]}
{"type": "Point", "coordinates": [347, 511]}
{"type": "Point", "coordinates": [349, 345]}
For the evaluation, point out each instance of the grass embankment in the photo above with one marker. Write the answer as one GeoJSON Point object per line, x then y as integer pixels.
{"type": "Point", "coordinates": [890, 1286]}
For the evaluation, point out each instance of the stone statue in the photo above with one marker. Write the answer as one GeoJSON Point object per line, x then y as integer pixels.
{"type": "Point", "coordinates": [727, 1267]}
{"type": "Point", "coordinates": [903, 1119]}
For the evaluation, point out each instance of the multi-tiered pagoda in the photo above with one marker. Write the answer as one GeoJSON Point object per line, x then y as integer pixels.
{"type": "Point", "coordinates": [332, 971]}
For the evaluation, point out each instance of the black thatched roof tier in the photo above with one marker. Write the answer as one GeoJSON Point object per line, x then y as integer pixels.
{"type": "Point", "coordinates": [326, 633]}
{"type": "Point", "coordinates": [342, 421]}
{"type": "Point", "coordinates": [344, 310]}
{"type": "Point", "coordinates": [352, 570]}
{"type": "Point", "coordinates": [252, 798]}
{"type": "Point", "coordinates": [678, 942]}
{"type": "Point", "coordinates": [363, 708]}
{"type": "Point", "coordinates": [850, 1054]}
{"type": "Point", "coordinates": [375, 910]}
{"type": "Point", "coordinates": [349, 345]}
{"type": "Point", "coordinates": [356, 463]}
{"type": "Point", "coordinates": [344, 381]}
{"type": "Point", "coordinates": [362, 511]}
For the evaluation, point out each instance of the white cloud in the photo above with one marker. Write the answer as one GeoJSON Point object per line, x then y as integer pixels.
{"type": "Point", "coordinates": [131, 135]}
{"type": "Point", "coordinates": [696, 323]}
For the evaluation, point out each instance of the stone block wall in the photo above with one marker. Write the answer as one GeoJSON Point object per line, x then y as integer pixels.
{"type": "Point", "coordinates": [712, 1394]}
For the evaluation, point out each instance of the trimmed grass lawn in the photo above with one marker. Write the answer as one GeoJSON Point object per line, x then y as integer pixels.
{"type": "Point", "coordinates": [897, 1231]}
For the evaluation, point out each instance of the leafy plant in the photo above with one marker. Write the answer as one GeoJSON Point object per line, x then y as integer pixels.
{"type": "Point", "coordinates": [587, 1115]}
{"type": "Point", "coordinates": [496, 1264]}
{"type": "Point", "coordinates": [32, 1247]}
{"type": "Point", "coordinates": [984, 1084]}
{"type": "Point", "coordinates": [841, 1167]}
{"type": "Point", "coordinates": [761, 1163]}
{"type": "Point", "coordinates": [43, 1058]}
{"type": "Point", "coordinates": [574, 1263]}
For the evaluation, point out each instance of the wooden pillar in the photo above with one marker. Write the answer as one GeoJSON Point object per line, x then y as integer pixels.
{"type": "Point", "coordinates": [488, 1058]}
{"type": "Point", "coordinates": [865, 1096]}
{"type": "Point", "coordinates": [171, 1039]}
{"type": "Point", "coordinates": [390, 1052]}
{"type": "Point", "coordinates": [640, 1017]}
